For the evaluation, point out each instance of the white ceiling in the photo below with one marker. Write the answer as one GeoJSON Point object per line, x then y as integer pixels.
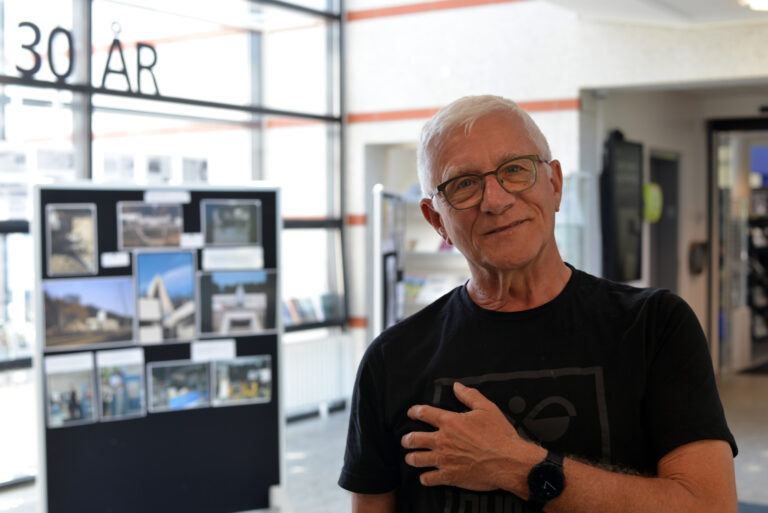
{"type": "Point", "coordinates": [664, 12]}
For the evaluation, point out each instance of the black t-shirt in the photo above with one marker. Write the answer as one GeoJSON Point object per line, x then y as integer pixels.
{"type": "Point", "coordinates": [607, 372]}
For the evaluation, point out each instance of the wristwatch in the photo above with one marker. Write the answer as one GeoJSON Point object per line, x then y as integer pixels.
{"type": "Point", "coordinates": [545, 481]}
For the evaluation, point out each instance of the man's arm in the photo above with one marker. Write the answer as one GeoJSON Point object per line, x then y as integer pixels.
{"type": "Point", "coordinates": [373, 503]}
{"type": "Point", "coordinates": [481, 450]}
{"type": "Point", "coordinates": [696, 477]}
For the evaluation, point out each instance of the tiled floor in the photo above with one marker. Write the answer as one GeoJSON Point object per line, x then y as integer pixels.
{"type": "Point", "coordinates": [745, 399]}
{"type": "Point", "coordinates": [315, 448]}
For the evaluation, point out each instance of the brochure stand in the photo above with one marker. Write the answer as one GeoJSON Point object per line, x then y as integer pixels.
{"type": "Point", "coordinates": [159, 347]}
{"type": "Point", "coordinates": [388, 260]}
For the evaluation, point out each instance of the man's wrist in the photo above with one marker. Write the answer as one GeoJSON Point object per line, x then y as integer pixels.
{"type": "Point", "coordinates": [524, 456]}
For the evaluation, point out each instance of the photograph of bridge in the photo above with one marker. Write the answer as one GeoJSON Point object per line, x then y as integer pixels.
{"type": "Point", "coordinates": [142, 225]}
{"type": "Point", "coordinates": [166, 296]}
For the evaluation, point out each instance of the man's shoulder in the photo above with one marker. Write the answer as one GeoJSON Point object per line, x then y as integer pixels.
{"type": "Point", "coordinates": [426, 321]}
{"type": "Point", "coordinates": [617, 298]}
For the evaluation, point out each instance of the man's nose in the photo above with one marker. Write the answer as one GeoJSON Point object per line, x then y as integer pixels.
{"type": "Point", "coordinates": [495, 198]}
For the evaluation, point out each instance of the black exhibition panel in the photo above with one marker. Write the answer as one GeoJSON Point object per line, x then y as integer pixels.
{"type": "Point", "coordinates": [189, 421]}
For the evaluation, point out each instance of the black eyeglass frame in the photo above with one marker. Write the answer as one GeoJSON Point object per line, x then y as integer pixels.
{"type": "Point", "coordinates": [535, 159]}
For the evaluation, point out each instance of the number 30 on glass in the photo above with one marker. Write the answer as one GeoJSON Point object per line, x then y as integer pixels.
{"type": "Point", "coordinates": [31, 47]}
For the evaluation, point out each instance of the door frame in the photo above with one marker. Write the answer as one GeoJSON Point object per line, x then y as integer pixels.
{"type": "Point", "coordinates": [713, 234]}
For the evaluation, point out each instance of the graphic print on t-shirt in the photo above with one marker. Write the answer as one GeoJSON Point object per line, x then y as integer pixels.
{"type": "Point", "coordinates": [563, 409]}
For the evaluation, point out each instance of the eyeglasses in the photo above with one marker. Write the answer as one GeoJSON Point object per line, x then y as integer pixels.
{"type": "Point", "coordinates": [466, 191]}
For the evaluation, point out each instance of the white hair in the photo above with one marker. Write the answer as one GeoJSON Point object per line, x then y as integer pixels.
{"type": "Point", "coordinates": [464, 112]}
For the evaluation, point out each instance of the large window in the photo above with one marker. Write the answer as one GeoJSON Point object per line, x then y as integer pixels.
{"type": "Point", "coordinates": [179, 92]}
{"type": "Point", "coordinates": [144, 92]}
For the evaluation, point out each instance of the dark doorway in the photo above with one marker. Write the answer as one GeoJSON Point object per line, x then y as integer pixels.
{"type": "Point", "coordinates": [664, 263]}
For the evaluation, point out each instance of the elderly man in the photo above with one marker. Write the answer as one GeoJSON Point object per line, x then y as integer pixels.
{"type": "Point", "coordinates": [534, 386]}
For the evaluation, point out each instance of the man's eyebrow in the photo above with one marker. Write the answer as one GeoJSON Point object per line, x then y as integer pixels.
{"type": "Point", "coordinates": [467, 169]}
{"type": "Point", "coordinates": [461, 170]}
{"type": "Point", "coordinates": [506, 157]}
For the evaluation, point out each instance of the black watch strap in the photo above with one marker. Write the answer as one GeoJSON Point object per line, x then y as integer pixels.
{"type": "Point", "coordinates": [554, 458]}
{"type": "Point", "coordinates": [536, 500]}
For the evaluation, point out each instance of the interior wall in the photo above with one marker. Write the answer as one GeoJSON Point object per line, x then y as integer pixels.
{"type": "Point", "coordinates": [673, 121]}
{"type": "Point", "coordinates": [401, 64]}
{"type": "Point", "coordinates": [661, 121]}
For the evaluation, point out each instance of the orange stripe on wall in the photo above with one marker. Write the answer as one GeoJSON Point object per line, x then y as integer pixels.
{"type": "Point", "coordinates": [401, 115]}
{"type": "Point", "coordinates": [202, 127]}
{"type": "Point", "coordinates": [357, 219]}
{"type": "Point", "coordinates": [291, 122]}
{"type": "Point", "coordinates": [421, 7]}
{"type": "Point", "coordinates": [393, 115]}
{"type": "Point", "coordinates": [544, 105]}
{"type": "Point", "coordinates": [358, 322]}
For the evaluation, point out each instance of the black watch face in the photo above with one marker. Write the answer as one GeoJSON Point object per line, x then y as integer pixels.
{"type": "Point", "coordinates": [546, 481]}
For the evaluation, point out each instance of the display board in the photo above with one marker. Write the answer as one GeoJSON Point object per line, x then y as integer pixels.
{"type": "Point", "coordinates": [159, 342]}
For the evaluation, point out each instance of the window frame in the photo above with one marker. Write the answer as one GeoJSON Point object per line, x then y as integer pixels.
{"type": "Point", "coordinates": [83, 112]}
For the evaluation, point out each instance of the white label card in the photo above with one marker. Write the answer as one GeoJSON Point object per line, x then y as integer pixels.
{"type": "Point", "coordinates": [157, 196]}
{"type": "Point", "coordinates": [192, 240]}
{"type": "Point", "coordinates": [222, 259]}
{"type": "Point", "coordinates": [68, 363]}
{"type": "Point", "coordinates": [115, 259]}
{"type": "Point", "coordinates": [223, 349]}
{"type": "Point", "coordinates": [119, 357]}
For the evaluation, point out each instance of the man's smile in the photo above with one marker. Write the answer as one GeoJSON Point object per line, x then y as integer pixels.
{"type": "Point", "coordinates": [505, 227]}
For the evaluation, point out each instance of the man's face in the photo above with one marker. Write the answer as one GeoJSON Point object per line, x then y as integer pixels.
{"type": "Point", "coordinates": [505, 231]}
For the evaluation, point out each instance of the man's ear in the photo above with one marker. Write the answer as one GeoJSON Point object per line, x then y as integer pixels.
{"type": "Point", "coordinates": [556, 179]}
{"type": "Point", "coordinates": [432, 216]}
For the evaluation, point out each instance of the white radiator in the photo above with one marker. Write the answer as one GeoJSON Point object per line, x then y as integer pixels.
{"type": "Point", "coordinates": [318, 372]}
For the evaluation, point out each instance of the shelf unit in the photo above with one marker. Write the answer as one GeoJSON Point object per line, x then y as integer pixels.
{"type": "Point", "coordinates": [431, 268]}
{"type": "Point", "coordinates": [757, 278]}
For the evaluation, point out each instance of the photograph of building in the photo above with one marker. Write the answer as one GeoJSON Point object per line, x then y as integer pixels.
{"type": "Point", "coordinates": [232, 222]}
{"type": "Point", "coordinates": [235, 302]}
{"type": "Point", "coordinates": [71, 239]}
{"type": "Point", "coordinates": [84, 311]}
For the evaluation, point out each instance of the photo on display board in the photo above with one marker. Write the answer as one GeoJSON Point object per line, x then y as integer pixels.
{"type": "Point", "coordinates": [86, 311]}
{"type": "Point", "coordinates": [178, 385]}
{"type": "Point", "coordinates": [158, 169]}
{"type": "Point", "coordinates": [194, 170]}
{"type": "Point", "coordinates": [142, 225]}
{"type": "Point", "coordinates": [166, 296]}
{"type": "Point", "coordinates": [70, 398]}
{"type": "Point", "coordinates": [231, 222]}
{"type": "Point", "coordinates": [71, 239]}
{"type": "Point", "coordinates": [118, 168]}
{"type": "Point", "coordinates": [246, 379]}
{"type": "Point", "coordinates": [235, 302]}
{"type": "Point", "coordinates": [121, 383]}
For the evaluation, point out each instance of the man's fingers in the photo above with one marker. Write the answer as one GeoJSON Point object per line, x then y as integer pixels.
{"type": "Point", "coordinates": [470, 397]}
{"type": "Point", "coordinates": [418, 440]}
{"type": "Point", "coordinates": [428, 414]}
{"type": "Point", "coordinates": [421, 459]}
{"type": "Point", "coordinates": [434, 478]}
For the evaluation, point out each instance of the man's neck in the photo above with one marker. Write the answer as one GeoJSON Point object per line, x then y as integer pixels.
{"type": "Point", "coordinates": [518, 289]}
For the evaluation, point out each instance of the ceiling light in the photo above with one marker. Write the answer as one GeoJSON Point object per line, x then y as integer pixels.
{"type": "Point", "coordinates": [755, 5]}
